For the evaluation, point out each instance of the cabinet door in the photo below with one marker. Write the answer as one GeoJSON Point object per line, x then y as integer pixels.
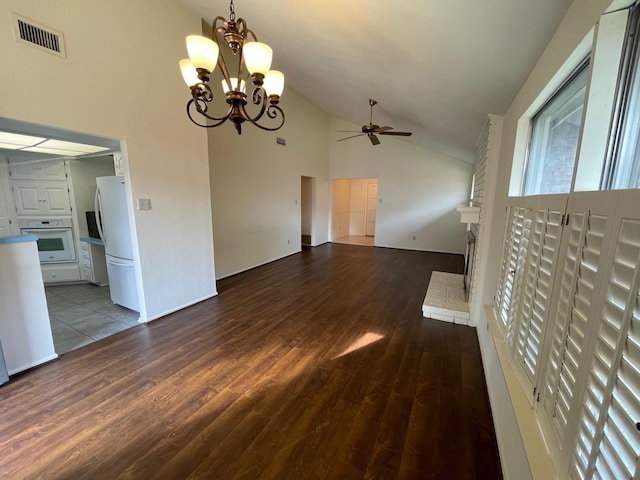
{"type": "Point", "coordinates": [24, 171]}
{"type": "Point", "coordinates": [41, 198]}
{"type": "Point", "coordinates": [50, 170]}
{"type": "Point", "coordinates": [53, 170]}
{"type": "Point", "coordinates": [56, 198]}
{"type": "Point", "coordinates": [28, 200]}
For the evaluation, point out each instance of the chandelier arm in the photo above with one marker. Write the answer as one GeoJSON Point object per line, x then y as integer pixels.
{"type": "Point", "coordinates": [202, 110]}
{"type": "Point", "coordinates": [242, 27]}
{"type": "Point", "coordinates": [240, 65]}
{"type": "Point", "coordinates": [249, 32]}
{"type": "Point", "coordinates": [243, 30]}
{"type": "Point", "coordinates": [272, 112]}
{"type": "Point", "coordinates": [219, 121]}
{"type": "Point", "coordinates": [202, 95]}
{"type": "Point", "coordinates": [257, 98]}
{"type": "Point", "coordinates": [221, 29]}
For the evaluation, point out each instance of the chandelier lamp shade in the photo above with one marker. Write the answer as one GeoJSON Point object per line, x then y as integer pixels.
{"type": "Point", "coordinates": [233, 42]}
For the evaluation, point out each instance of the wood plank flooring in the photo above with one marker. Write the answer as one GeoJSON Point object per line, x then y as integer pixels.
{"type": "Point", "coordinates": [316, 366]}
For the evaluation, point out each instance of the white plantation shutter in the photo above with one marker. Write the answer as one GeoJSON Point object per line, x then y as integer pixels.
{"type": "Point", "coordinates": [503, 289]}
{"type": "Point", "coordinates": [537, 288]}
{"type": "Point", "coordinates": [512, 240]}
{"type": "Point", "coordinates": [569, 329]}
{"type": "Point", "coordinates": [574, 314]}
{"type": "Point", "coordinates": [608, 443]}
{"type": "Point", "coordinates": [523, 232]}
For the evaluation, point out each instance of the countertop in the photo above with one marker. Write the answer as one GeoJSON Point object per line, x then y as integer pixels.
{"type": "Point", "coordinates": [95, 241]}
{"type": "Point", "coordinates": [18, 239]}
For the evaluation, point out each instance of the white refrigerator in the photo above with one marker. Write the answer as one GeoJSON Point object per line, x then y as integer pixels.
{"type": "Point", "coordinates": [112, 220]}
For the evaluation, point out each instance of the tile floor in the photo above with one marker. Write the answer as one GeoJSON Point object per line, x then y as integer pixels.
{"type": "Point", "coordinates": [82, 314]}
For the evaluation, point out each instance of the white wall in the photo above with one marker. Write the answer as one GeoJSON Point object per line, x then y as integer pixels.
{"type": "Point", "coordinates": [255, 186]}
{"type": "Point", "coordinates": [419, 190]}
{"type": "Point", "coordinates": [559, 55]}
{"type": "Point", "coordinates": [121, 80]}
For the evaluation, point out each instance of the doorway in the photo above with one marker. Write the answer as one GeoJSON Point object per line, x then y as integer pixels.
{"type": "Point", "coordinates": [307, 194]}
{"type": "Point", "coordinates": [354, 211]}
{"type": "Point", "coordinates": [79, 305]}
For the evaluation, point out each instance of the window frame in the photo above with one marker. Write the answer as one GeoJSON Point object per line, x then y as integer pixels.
{"type": "Point", "coordinates": [582, 67]}
{"type": "Point", "coordinates": [628, 75]}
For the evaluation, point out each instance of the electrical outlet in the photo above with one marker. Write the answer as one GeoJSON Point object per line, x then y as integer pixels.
{"type": "Point", "coordinates": [414, 237]}
{"type": "Point", "coordinates": [144, 204]}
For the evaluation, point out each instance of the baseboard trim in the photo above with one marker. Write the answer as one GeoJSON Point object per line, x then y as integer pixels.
{"type": "Point", "coordinates": [169, 312]}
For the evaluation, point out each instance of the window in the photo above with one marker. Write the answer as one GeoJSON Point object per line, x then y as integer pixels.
{"type": "Point", "coordinates": [554, 138]}
{"type": "Point", "coordinates": [624, 169]}
{"type": "Point", "coordinates": [568, 294]}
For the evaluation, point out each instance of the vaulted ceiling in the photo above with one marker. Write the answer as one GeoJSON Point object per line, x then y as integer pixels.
{"type": "Point", "coordinates": [435, 67]}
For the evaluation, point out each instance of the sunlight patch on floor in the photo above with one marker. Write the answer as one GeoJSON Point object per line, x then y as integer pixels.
{"type": "Point", "coordinates": [365, 340]}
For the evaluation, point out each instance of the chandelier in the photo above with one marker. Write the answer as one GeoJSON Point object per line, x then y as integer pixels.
{"type": "Point", "coordinates": [242, 43]}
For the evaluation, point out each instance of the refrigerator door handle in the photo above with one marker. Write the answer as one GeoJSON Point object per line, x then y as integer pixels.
{"type": "Point", "coordinates": [118, 264]}
{"type": "Point", "coordinates": [98, 209]}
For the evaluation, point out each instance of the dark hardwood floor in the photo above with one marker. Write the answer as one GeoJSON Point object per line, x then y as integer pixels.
{"type": "Point", "coordinates": [317, 366]}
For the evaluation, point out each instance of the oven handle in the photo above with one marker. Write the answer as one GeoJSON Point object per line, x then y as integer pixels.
{"type": "Point", "coordinates": [45, 230]}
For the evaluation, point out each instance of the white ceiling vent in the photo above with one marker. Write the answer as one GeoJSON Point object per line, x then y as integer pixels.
{"type": "Point", "coordinates": [38, 35]}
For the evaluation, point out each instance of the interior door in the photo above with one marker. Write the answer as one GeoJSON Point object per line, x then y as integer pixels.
{"type": "Point", "coordinates": [372, 201]}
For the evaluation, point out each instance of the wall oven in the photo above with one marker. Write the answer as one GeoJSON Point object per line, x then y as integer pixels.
{"type": "Point", "coordinates": [55, 239]}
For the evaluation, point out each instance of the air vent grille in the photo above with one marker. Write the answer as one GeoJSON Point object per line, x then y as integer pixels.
{"type": "Point", "coordinates": [33, 33]}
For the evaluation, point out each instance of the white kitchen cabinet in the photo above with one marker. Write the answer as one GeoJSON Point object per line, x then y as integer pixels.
{"type": "Point", "coordinates": [53, 273]}
{"type": "Point", "coordinates": [118, 163]}
{"type": "Point", "coordinates": [47, 170]}
{"type": "Point", "coordinates": [93, 266]}
{"type": "Point", "coordinates": [41, 197]}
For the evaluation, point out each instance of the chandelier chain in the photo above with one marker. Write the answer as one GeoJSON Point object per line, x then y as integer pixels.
{"type": "Point", "coordinates": [232, 12]}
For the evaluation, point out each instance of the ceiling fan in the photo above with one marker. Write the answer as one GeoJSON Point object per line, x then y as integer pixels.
{"type": "Point", "coordinates": [371, 130]}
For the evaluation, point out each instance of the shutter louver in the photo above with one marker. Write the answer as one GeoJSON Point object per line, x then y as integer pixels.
{"type": "Point", "coordinates": [608, 444]}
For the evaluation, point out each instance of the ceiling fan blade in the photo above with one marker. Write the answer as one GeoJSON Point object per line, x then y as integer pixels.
{"type": "Point", "coordinates": [383, 129]}
{"type": "Point", "coordinates": [400, 134]}
{"type": "Point", "coordinates": [374, 140]}
{"type": "Point", "coordinates": [349, 131]}
{"type": "Point", "coordinates": [347, 138]}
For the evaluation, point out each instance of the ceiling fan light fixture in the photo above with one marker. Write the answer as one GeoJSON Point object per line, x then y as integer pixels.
{"type": "Point", "coordinates": [253, 60]}
{"type": "Point", "coordinates": [371, 129]}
